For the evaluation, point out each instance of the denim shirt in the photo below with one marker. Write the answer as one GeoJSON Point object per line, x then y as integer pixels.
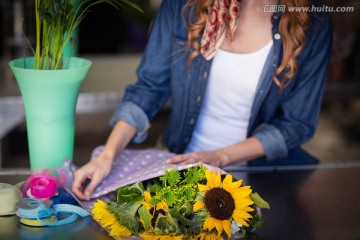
{"type": "Point", "coordinates": [281, 121]}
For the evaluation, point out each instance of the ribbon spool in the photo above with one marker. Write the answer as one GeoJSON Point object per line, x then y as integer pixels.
{"type": "Point", "coordinates": [34, 212]}
{"type": "Point", "coordinates": [43, 187]}
{"type": "Point", "coordinates": [9, 196]}
{"type": "Point", "coordinates": [43, 183]}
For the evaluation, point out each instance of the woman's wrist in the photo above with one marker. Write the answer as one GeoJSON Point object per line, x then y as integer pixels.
{"type": "Point", "coordinates": [223, 157]}
{"type": "Point", "coordinates": [108, 155]}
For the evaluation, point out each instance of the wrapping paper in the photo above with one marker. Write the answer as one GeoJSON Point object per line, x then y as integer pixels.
{"type": "Point", "coordinates": [129, 166]}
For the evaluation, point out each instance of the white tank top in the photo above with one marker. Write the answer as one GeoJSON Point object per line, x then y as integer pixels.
{"type": "Point", "coordinates": [229, 96]}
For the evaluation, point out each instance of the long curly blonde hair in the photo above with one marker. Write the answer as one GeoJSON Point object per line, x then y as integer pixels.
{"type": "Point", "coordinates": [292, 27]}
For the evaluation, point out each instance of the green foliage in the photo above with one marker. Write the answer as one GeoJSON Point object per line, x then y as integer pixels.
{"type": "Point", "coordinates": [130, 194]}
{"type": "Point", "coordinates": [195, 175]}
{"type": "Point", "coordinates": [126, 214]}
{"type": "Point", "coordinates": [179, 187]}
{"type": "Point", "coordinates": [170, 177]}
{"type": "Point", "coordinates": [261, 203]}
{"type": "Point", "coordinates": [145, 216]}
{"type": "Point", "coordinates": [166, 225]}
{"type": "Point", "coordinates": [55, 22]}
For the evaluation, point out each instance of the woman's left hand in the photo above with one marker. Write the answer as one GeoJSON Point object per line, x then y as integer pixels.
{"type": "Point", "coordinates": [214, 158]}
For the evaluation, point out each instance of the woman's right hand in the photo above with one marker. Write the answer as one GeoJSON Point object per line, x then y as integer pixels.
{"type": "Point", "coordinates": [94, 171]}
{"type": "Point", "coordinates": [99, 168]}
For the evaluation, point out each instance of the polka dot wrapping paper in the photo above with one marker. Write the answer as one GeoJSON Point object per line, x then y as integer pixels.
{"type": "Point", "coordinates": [129, 166]}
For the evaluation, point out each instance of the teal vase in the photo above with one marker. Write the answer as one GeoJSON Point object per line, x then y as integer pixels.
{"type": "Point", "coordinates": [50, 98]}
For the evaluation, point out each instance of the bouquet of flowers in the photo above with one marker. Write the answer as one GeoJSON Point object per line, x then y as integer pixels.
{"type": "Point", "coordinates": [196, 203]}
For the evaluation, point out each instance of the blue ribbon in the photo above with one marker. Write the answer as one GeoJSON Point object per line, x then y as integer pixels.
{"type": "Point", "coordinates": [35, 209]}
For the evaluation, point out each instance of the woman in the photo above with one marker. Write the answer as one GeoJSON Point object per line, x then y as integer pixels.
{"type": "Point", "coordinates": [245, 84]}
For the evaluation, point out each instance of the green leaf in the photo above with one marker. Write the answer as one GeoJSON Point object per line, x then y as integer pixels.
{"type": "Point", "coordinates": [165, 224]}
{"type": "Point", "coordinates": [145, 216]}
{"type": "Point", "coordinates": [125, 214]}
{"type": "Point", "coordinates": [130, 194]}
{"type": "Point", "coordinates": [186, 209]}
{"type": "Point", "coordinates": [155, 188]}
{"type": "Point", "coordinates": [261, 203]}
{"type": "Point", "coordinates": [137, 188]}
{"type": "Point", "coordinates": [181, 218]}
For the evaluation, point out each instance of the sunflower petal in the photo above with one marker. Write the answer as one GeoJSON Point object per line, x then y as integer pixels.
{"type": "Point", "coordinates": [219, 226]}
{"type": "Point", "coordinates": [241, 203]}
{"type": "Point", "coordinates": [209, 223]}
{"type": "Point", "coordinates": [147, 196]}
{"type": "Point", "coordinates": [240, 220]}
{"type": "Point", "coordinates": [197, 206]}
{"type": "Point", "coordinates": [227, 227]}
{"type": "Point", "coordinates": [203, 188]}
{"type": "Point", "coordinates": [213, 179]}
{"type": "Point", "coordinates": [217, 181]}
{"type": "Point", "coordinates": [242, 214]}
{"type": "Point", "coordinates": [229, 185]}
{"type": "Point", "coordinates": [227, 180]}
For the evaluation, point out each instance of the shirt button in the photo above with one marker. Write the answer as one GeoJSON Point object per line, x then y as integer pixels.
{"type": "Point", "coordinates": [205, 74]}
{"type": "Point", "coordinates": [275, 17]}
{"type": "Point", "coordinates": [198, 98]}
{"type": "Point", "coordinates": [277, 36]}
{"type": "Point", "coordinates": [192, 121]}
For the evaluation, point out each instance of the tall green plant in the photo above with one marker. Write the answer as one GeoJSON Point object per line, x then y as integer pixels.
{"type": "Point", "coordinates": [55, 22]}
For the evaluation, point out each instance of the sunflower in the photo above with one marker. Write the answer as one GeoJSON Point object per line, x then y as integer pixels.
{"type": "Point", "coordinates": [150, 236]}
{"type": "Point", "coordinates": [109, 221]}
{"type": "Point", "coordinates": [223, 202]}
{"type": "Point", "coordinates": [206, 236]}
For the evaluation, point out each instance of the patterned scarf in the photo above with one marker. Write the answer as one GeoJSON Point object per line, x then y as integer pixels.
{"type": "Point", "coordinates": [221, 22]}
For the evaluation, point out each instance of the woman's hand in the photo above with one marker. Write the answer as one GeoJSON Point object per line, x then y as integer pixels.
{"type": "Point", "coordinates": [99, 168]}
{"type": "Point", "coordinates": [214, 158]}
{"type": "Point", "coordinates": [95, 171]}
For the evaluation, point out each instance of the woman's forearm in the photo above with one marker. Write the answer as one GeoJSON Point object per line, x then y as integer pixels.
{"type": "Point", "coordinates": [243, 151]}
{"type": "Point", "coordinates": [120, 136]}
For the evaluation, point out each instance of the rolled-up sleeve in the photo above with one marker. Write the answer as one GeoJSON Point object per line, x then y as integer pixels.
{"type": "Point", "coordinates": [135, 116]}
{"type": "Point", "coordinates": [272, 141]}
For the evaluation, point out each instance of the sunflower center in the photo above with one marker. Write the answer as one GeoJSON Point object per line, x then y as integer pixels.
{"type": "Point", "coordinates": [219, 203]}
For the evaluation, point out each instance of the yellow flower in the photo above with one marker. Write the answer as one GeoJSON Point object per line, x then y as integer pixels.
{"type": "Point", "coordinates": [102, 215]}
{"type": "Point", "coordinates": [107, 220]}
{"type": "Point", "coordinates": [159, 206]}
{"type": "Point", "coordinates": [206, 236]}
{"type": "Point", "coordinates": [117, 230]}
{"type": "Point", "coordinates": [223, 201]}
{"type": "Point", "coordinates": [150, 236]}
{"type": "Point", "coordinates": [147, 198]}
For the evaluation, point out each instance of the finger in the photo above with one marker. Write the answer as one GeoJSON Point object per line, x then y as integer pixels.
{"type": "Point", "coordinates": [95, 180]}
{"type": "Point", "coordinates": [177, 159]}
{"type": "Point", "coordinates": [191, 161]}
{"type": "Point", "coordinates": [77, 186]}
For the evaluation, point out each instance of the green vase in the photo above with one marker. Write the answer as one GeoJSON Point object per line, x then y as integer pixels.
{"type": "Point", "coordinates": [50, 98]}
